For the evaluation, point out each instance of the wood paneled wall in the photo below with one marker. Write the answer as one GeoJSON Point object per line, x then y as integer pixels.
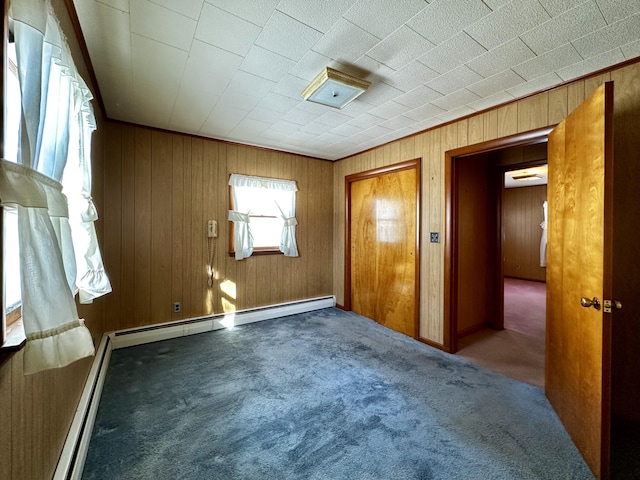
{"type": "Point", "coordinates": [522, 215]}
{"type": "Point", "coordinates": [538, 111]}
{"type": "Point", "coordinates": [161, 189]}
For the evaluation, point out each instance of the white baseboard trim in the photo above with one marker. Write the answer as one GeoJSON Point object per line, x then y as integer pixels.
{"type": "Point", "coordinates": [74, 451]}
{"type": "Point", "coordinates": [181, 328]}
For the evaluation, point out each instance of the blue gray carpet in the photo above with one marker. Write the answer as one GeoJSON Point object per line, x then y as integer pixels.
{"type": "Point", "coordinates": [322, 395]}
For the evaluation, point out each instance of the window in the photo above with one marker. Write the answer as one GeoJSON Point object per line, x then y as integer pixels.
{"type": "Point", "coordinates": [11, 257]}
{"type": "Point", "coordinates": [262, 215]}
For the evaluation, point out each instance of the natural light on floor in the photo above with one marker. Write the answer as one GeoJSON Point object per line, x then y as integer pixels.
{"type": "Point", "coordinates": [229, 289]}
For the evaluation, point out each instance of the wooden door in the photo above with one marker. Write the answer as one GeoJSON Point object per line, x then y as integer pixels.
{"type": "Point", "coordinates": [383, 213]}
{"type": "Point", "coordinates": [577, 373]}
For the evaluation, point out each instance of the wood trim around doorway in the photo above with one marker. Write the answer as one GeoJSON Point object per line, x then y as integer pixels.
{"type": "Point", "coordinates": [450, 321]}
{"type": "Point", "coordinates": [349, 179]}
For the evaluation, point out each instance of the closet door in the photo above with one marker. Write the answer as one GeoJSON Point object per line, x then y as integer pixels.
{"type": "Point", "coordinates": [384, 258]}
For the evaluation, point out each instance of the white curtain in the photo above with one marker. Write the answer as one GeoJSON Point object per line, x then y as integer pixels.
{"type": "Point", "coordinates": [543, 239]}
{"type": "Point", "coordinates": [249, 193]}
{"type": "Point", "coordinates": [56, 112]}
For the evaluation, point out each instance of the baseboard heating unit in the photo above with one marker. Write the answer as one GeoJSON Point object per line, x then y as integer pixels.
{"type": "Point", "coordinates": [75, 449]}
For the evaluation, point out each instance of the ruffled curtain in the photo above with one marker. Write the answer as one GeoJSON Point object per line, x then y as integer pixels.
{"type": "Point", "coordinates": [245, 189]}
{"type": "Point", "coordinates": [56, 124]}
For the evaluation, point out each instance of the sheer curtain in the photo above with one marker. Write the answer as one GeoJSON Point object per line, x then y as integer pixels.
{"type": "Point", "coordinates": [543, 238]}
{"type": "Point", "coordinates": [56, 119]}
{"type": "Point", "coordinates": [248, 194]}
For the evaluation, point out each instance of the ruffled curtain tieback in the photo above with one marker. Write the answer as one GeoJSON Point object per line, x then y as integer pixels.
{"type": "Point", "coordinates": [290, 222]}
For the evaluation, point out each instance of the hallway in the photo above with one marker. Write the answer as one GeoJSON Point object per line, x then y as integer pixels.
{"type": "Point", "coordinates": [518, 351]}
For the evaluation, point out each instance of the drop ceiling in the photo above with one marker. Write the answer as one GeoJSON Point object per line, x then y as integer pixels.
{"type": "Point", "coordinates": [234, 69]}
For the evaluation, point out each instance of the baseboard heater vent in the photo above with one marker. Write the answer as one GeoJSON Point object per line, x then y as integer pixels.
{"type": "Point", "coordinates": [74, 451]}
{"type": "Point", "coordinates": [180, 328]}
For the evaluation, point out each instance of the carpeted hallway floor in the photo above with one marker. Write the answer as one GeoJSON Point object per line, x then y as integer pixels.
{"type": "Point", "coordinates": [518, 350]}
{"type": "Point", "coordinates": [322, 395]}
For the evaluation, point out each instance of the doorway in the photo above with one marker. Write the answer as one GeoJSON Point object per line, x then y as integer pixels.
{"type": "Point", "coordinates": [500, 295]}
{"type": "Point", "coordinates": [382, 257]}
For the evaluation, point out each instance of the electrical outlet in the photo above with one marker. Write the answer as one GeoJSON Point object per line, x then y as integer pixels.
{"type": "Point", "coordinates": [435, 237]}
{"type": "Point", "coordinates": [177, 307]}
{"type": "Point", "coordinates": [517, 266]}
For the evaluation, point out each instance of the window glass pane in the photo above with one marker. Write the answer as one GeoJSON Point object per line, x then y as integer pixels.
{"type": "Point", "coordinates": [266, 231]}
{"type": "Point", "coordinates": [13, 107]}
{"type": "Point", "coordinates": [11, 259]}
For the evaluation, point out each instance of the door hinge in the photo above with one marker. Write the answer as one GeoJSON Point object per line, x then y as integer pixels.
{"type": "Point", "coordinates": [611, 305]}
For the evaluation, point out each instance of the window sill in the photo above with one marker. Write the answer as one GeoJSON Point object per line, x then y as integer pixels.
{"type": "Point", "coordinates": [261, 251]}
{"type": "Point", "coordinates": [16, 338]}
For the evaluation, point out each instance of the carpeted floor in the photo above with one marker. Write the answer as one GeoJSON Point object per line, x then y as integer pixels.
{"type": "Point", "coordinates": [518, 351]}
{"type": "Point", "coordinates": [322, 395]}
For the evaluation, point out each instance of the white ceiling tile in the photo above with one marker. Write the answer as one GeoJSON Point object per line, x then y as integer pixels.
{"type": "Point", "coordinates": [564, 28]}
{"type": "Point", "coordinates": [592, 64]}
{"type": "Point", "coordinates": [454, 80]}
{"type": "Point", "coordinates": [411, 76]}
{"type": "Point", "coordinates": [556, 7]}
{"type": "Point", "coordinates": [266, 64]}
{"type": "Point", "coordinates": [222, 120]}
{"type": "Point", "coordinates": [278, 32]}
{"type": "Point", "coordinates": [250, 84]}
{"type": "Point", "coordinates": [122, 5]}
{"type": "Point", "coordinates": [313, 107]}
{"type": "Point", "coordinates": [442, 19]}
{"type": "Point", "coordinates": [272, 134]}
{"type": "Point", "coordinates": [330, 138]}
{"type": "Point", "coordinates": [284, 126]}
{"type": "Point", "coordinates": [225, 30]}
{"type": "Point", "coordinates": [396, 123]}
{"type": "Point", "coordinates": [365, 121]}
{"type": "Point", "coordinates": [333, 118]}
{"type": "Point", "coordinates": [452, 53]}
{"type": "Point", "coordinates": [373, 67]}
{"type": "Point", "coordinates": [209, 69]}
{"type": "Point", "coordinates": [456, 99]}
{"type": "Point", "coordinates": [191, 110]}
{"type": "Point", "coordinates": [536, 85]}
{"type": "Point", "coordinates": [318, 15]}
{"type": "Point", "coordinates": [400, 48]}
{"type": "Point", "coordinates": [300, 117]}
{"type": "Point", "coordinates": [257, 13]}
{"type": "Point", "coordinates": [423, 112]}
{"type": "Point", "coordinates": [346, 130]}
{"type": "Point", "coordinates": [309, 66]}
{"type": "Point", "coordinates": [496, 83]}
{"type": "Point", "coordinates": [376, 131]}
{"type": "Point", "coordinates": [548, 62]}
{"type": "Point", "coordinates": [345, 42]}
{"type": "Point", "coordinates": [381, 17]}
{"type": "Point", "coordinates": [247, 129]}
{"type": "Point", "coordinates": [608, 38]}
{"type": "Point", "coordinates": [161, 24]}
{"type": "Point", "coordinates": [279, 103]}
{"type": "Point", "coordinates": [315, 127]}
{"type": "Point", "coordinates": [631, 50]}
{"type": "Point", "coordinates": [265, 115]}
{"type": "Point", "coordinates": [501, 58]}
{"type": "Point", "coordinates": [116, 88]}
{"type": "Point", "coordinates": [356, 108]}
{"type": "Point", "coordinates": [491, 101]}
{"type": "Point", "coordinates": [389, 110]}
{"type": "Point", "coordinates": [379, 93]}
{"type": "Point", "coordinates": [457, 113]}
{"type": "Point", "coordinates": [239, 100]}
{"type": "Point", "coordinates": [189, 8]}
{"type": "Point", "coordinates": [418, 96]}
{"type": "Point", "coordinates": [615, 10]}
{"type": "Point", "coordinates": [290, 87]}
{"type": "Point", "coordinates": [495, 4]}
{"type": "Point", "coordinates": [157, 70]}
{"type": "Point", "coordinates": [507, 22]}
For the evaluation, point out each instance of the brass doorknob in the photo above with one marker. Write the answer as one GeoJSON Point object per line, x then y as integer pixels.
{"type": "Point", "coordinates": [594, 302]}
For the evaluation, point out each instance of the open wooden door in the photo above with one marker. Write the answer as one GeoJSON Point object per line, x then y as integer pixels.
{"type": "Point", "coordinates": [579, 276]}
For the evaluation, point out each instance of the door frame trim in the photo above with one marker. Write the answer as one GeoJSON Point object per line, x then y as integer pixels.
{"type": "Point", "coordinates": [378, 172]}
{"type": "Point", "coordinates": [450, 320]}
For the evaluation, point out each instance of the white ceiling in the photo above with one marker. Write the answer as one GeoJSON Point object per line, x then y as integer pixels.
{"type": "Point", "coordinates": [234, 69]}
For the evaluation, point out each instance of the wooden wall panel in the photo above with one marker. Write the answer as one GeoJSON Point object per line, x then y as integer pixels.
{"type": "Point", "coordinates": [522, 214]}
{"type": "Point", "coordinates": [171, 186]}
{"type": "Point", "coordinates": [536, 111]}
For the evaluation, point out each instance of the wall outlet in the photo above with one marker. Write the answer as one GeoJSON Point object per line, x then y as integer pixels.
{"type": "Point", "coordinates": [517, 266]}
{"type": "Point", "coordinates": [434, 237]}
{"type": "Point", "coordinates": [177, 307]}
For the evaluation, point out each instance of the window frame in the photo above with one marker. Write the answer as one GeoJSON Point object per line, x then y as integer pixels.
{"type": "Point", "coordinates": [269, 250]}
